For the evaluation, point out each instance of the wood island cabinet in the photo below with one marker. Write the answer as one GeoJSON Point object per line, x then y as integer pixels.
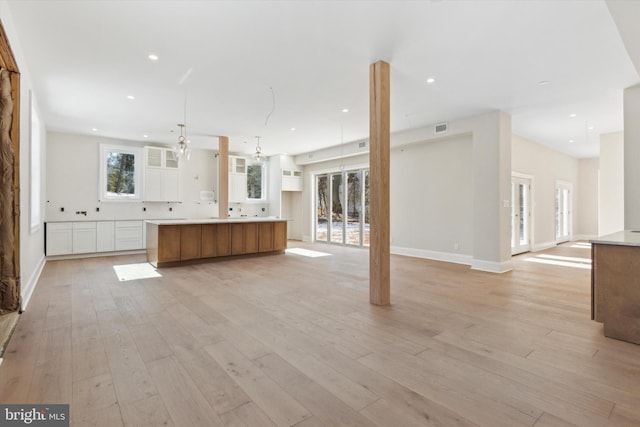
{"type": "Point", "coordinates": [170, 243]}
{"type": "Point", "coordinates": [190, 241]}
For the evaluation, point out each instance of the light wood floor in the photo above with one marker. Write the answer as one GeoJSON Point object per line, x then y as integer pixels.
{"type": "Point", "coordinates": [292, 340]}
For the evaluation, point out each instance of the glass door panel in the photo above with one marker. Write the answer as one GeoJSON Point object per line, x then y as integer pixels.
{"type": "Point", "coordinates": [520, 214]}
{"type": "Point", "coordinates": [337, 214]}
{"type": "Point", "coordinates": [354, 207]}
{"type": "Point", "coordinates": [322, 206]}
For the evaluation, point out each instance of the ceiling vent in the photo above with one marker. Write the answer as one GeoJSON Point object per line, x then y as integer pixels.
{"type": "Point", "coordinates": [441, 127]}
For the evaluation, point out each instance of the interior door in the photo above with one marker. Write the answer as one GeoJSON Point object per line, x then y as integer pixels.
{"type": "Point", "coordinates": [520, 215]}
{"type": "Point", "coordinates": [563, 212]}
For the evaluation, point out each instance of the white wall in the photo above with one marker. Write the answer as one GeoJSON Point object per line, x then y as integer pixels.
{"type": "Point", "coordinates": [31, 241]}
{"type": "Point", "coordinates": [73, 174]}
{"type": "Point", "coordinates": [546, 166]}
{"type": "Point", "coordinates": [587, 208]}
{"type": "Point", "coordinates": [611, 192]}
{"type": "Point", "coordinates": [432, 198]}
{"type": "Point", "coordinates": [631, 156]}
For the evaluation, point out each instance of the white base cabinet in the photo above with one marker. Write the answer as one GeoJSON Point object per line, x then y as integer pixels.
{"type": "Point", "coordinates": [128, 235]}
{"type": "Point", "coordinates": [59, 238]}
{"type": "Point", "coordinates": [83, 237]}
{"type": "Point", "coordinates": [105, 236]}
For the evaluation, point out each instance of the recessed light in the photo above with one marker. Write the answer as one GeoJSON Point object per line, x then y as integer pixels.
{"type": "Point", "coordinates": [145, 136]}
{"type": "Point", "coordinates": [293, 129]}
{"type": "Point", "coordinates": [572, 115]}
{"type": "Point", "coordinates": [131, 97]}
{"type": "Point", "coordinates": [431, 80]}
{"type": "Point", "coordinates": [153, 57]}
{"type": "Point", "coordinates": [345, 110]}
{"type": "Point", "coordinates": [543, 82]}
{"type": "Point", "coordinates": [571, 140]}
{"type": "Point", "coordinates": [591, 128]}
{"type": "Point", "coordinates": [94, 129]}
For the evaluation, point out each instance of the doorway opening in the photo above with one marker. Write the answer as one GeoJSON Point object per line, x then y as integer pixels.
{"type": "Point", "coordinates": [563, 212]}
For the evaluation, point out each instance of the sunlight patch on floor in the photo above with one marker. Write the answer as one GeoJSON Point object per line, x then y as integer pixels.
{"type": "Point", "coordinates": [306, 252]}
{"type": "Point", "coordinates": [143, 270]}
{"type": "Point", "coordinates": [565, 258]}
{"type": "Point", "coordinates": [581, 245]}
{"type": "Point", "coordinates": [559, 263]}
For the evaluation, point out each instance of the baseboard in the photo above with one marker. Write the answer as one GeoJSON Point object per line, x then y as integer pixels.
{"type": "Point", "coordinates": [542, 246]}
{"type": "Point", "coordinates": [434, 255]}
{"type": "Point", "coordinates": [96, 254]}
{"type": "Point", "coordinates": [307, 239]}
{"type": "Point", "coordinates": [492, 266]}
{"type": "Point", "coordinates": [30, 285]}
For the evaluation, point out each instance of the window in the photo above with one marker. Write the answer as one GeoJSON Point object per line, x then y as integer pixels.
{"type": "Point", "coordinates": [36, 180]}
{"type": "Point", "coordinates": [120, 169]}
{"type": "Point", "coordinates": [256, 182]}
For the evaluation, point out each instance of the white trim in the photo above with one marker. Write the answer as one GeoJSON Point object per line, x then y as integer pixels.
{"type": "Point", "coordinates": [30, 285]}
{"type": "Point", "coordinates": [544, 245]}
{"type": "Point", "coordinates": [433, 255]}
{"type": "Point", "coordinates": [492, 266]}
{"type": "Point", "coordinates": [96, 254]}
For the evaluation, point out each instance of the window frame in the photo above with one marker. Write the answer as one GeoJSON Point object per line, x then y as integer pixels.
{"type": "Point", "coordinates": [35, 165]}
{"type": "Point", "coordinates": [263, 178]}
{"type": "Point", "coordinates": [138, 168]}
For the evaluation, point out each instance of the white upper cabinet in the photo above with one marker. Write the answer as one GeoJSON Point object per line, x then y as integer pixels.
{"type": "Point", "coordinates": [161, 175]}
{"type": "Point", "coordinates": [292, 180]}
{"type": "Point", "coordinates": [237, 179]}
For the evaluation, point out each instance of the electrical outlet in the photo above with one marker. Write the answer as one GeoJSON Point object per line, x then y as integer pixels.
{"type": "Point", "coordinates": [456, 246]}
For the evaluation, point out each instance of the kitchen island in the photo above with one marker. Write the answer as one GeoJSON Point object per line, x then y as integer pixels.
{"type": "Point", "coordinates": [615, 284]}
{"type": "Point", "coordinates": [179, 241]}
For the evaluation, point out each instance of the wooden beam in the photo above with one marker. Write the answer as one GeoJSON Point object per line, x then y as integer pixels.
{"type": "Point", "coordinates": [223, 177]}
{"type": "Point", "coordinates": [379, 142]}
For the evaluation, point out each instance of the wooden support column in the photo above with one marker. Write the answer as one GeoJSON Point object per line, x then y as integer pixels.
{"type": "Point", "coordinates": [223, 177]}
{"type": "Point", "coordinates": [379, 142]}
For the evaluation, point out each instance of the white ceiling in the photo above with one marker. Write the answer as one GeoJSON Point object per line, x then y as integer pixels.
{"type": "Point", "coordinates": [85, 57]}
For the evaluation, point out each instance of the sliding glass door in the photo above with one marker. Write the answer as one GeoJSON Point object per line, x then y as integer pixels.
{"type": "Point", "coordinates": [342, 207]}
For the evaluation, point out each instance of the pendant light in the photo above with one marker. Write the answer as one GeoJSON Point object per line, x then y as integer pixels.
{"type": "Point", "coordinates": [258, 156]}
{"type": "Point", "coordinates": [182, 150]}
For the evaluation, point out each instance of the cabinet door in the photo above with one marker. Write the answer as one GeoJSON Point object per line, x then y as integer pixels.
{"type": "Point", "coordinates": [237, 188]}
{"type": "Point", "coordinates": [168, 243]}
{"type": "Point", "coordinates": [84, 237]}
{"type": "Point", "coordinates": [209, 240]}
{"type": "Point", "coordinates": [250, 238]}
{"type": "Point", "coordinates": [170, 159]}
{"type": "Point", "coordinates": [128, 235]}
{"type": "Point", "coordinates": [105, 236]}
{"type": "Point", "coordinates": [265, 240]}
{"type": "Point", "coordinates": [59, 238]}
{"type": "Point", "coordinates": [237, 239]}
{"type": "Point", "coordinates": [153, 156]}
{"type": "Point", "coordinates": [153, 185]}
{"type": "Point", "coordinates": [190, 241]}
{"type": "Point", "coordinates": [170, 185]}
{"type": "Point", "coordinates": [279, 236]}
{"type": "Point", "coordinates": [223, 238]}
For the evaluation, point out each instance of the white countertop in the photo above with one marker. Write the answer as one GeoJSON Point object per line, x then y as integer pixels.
{"type": "Point", "coordinates": [214, 220]}
{"type": "Point", "coordinates": [622, 238]}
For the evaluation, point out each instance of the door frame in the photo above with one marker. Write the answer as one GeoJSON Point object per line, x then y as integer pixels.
{"type": "Point", "coordinates": [531, 224]}
{"type": "Point", "coordinates": [569, 186]}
